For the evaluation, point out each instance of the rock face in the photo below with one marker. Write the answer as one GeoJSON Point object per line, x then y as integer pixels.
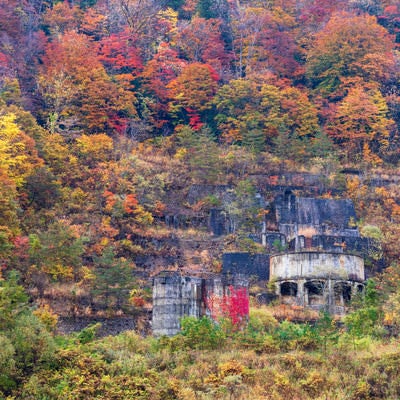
{"type": "Point", "coordinates": [176, 296]}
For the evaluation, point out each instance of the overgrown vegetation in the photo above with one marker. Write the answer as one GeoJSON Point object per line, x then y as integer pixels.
{"type": "Point", "coordinates": [266, 359]}
{"type": "Point", "coordinates": [124, 124]}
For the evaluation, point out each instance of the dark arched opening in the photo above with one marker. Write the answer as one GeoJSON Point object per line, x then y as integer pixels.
{"type": "Point", "coordinates": [289, 289]}
{"type": "Point", "coordinates": [315, 291]}
{"type": "Point", "coordinates": [342, 293]}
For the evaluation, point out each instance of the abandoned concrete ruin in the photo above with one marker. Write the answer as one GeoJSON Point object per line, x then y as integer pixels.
{"type": "Point", "coordinates": [314, 255]}
{"type": "Point", "coordinates": [175, 296]}
{"type": "Point", "coordinates": [314, 252]}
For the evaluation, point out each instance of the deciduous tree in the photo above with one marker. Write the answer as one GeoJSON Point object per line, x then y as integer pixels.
{"type": "Point", "coordinates": [349, 46]}
{"type": "Point", "coordinates": [361, 122]}
{"type": "Point", "coordinates": [193, 89]}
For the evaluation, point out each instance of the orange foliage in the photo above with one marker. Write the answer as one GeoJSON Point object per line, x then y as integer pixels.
{"type": "Point", "coordinates": [130, 204]}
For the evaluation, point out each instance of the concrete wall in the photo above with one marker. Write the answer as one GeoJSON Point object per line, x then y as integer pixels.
{"type": "Point", "coordinates": [297, 216]}
{"type": "Point", "coordinates": [176, 296]}
{"type": "Point", "coordinates": [246, 263]}
{"type": "Point", "coordinates": [316, 265]}
{"type": "Point", "coordinates": [173, 297]}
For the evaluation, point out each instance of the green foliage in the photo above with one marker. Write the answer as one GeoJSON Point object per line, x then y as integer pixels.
{"type": "Point", "coordinates": [57, 251]}
{"type": "Point", "coordinates": [89, 333]}
{"type": "Point", "coordinates": [113, 280]}
{"type": "Point", "coordinates": [261, 320]}
{"type": "Point", "coordinates": [201, 333]}
{"type": "Point", "coordinates": [371, 231]}
{"type": "Point", "coordinates": [7, 365]}
{"type": "Point", "coordinates": [245, 210]}
{"type": "Point", "coordinates": [202, 154]}
{"type": "Point", "coordinates": [34, 346]}
{"type": "Point", "coordinates": [13, 301]}
{"type": "Point", "coordinates": [26, 345]}
{"type": "Point", "coordinates": [205, 9]}
{"type": "Point", "coordinates": [326, 331]}
{"type": "Point", "coordinates": [42, 188]}
{"type": "Point", "coordinates": [367, 318]}
{"type": "Point", "coordinates": [291, 336]}
{"type": "Point", "coordinates": [278, 245]}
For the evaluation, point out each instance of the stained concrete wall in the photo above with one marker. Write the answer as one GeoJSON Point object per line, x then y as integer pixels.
{"type": "Point", "coordinates": [301, 215]}
{"type": "Point", "coordinates": [319, 212]}
{"type": "Point", "coordinates": [176, 296]}
{"type": "Point", "coordinates": [300, 265]}
{"type": "Point", "coordinates": [173, 297]}
{"type": "Point", "coordinates": [246, 263]}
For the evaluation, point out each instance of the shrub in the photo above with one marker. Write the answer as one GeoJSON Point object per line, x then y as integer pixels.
{"type": "Point", "coordinates": [202, 333]}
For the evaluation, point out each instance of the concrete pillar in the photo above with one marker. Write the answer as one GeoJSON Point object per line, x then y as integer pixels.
{"type": "Point", "coordinates": [301, 292]}
{"type": "Point", "coordinates": [278, 288]}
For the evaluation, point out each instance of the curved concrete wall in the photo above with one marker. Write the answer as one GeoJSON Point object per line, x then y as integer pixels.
{"type": "Point", "coordinates": [317, 265]}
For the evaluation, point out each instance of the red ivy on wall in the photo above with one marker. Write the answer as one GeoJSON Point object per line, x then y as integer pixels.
{"type": "Point", "coordinates": [233, 304]}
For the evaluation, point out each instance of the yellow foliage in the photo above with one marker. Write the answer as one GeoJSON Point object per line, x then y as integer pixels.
{"type": "Point", "coordinates": [97, 147]}
{"type": "Point", "coordinates": [59, 271]}
{"type": "Point", "coordinates": [231, 367]}
{"type": "Point", "coordinates": [15, 147]}
{"type": "Point", "coordinates": [180, 153]}
{"type": "Point", "coordinates": [47, 316]}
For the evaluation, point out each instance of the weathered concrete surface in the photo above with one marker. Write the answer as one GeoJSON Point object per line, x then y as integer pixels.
{"type": "Point", "coordinates": [176, 296]}
{"type": "Point", "coordinates": [246, 263]}
{"type": "Point", "coordinates": [296, 216]}
{"type": "Point", "coordinates": [173, 297]}
{"type": "Point", "coordinates": [298, 265]}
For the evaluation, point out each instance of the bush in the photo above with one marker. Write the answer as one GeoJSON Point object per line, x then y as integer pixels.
{"type": "Point", "coordinates": [202, 333]}
{"type": "Point", "coordinates": [7, 365]}
{"type": "Point", "coordinates": [262, 320]}
{"type": "Point", "coordinates": [88, 334]}
{"type": "Point", "coordinates": [291, 336]}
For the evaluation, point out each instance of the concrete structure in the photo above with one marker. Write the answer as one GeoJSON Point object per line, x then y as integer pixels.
{"type": "Point", "coordinates": [173, 297]}
{"type": "Point", "coordinates": [322, 264]}
{"type": "Point", "coordinates": [315, 265]}
{"type": "Point", "coordinates": [252, 264]}
{"type": "Point", "coordinates": [176, 296]}
{"type": "Point", "coordinates": [319, 280]}
{"type": "Point", "coordinates": [314, 252]}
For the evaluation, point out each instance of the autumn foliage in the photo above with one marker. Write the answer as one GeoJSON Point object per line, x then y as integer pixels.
{"type": "Point", "coordinates": [233, 305]}
{"type": "Point", "coordinates": [112, 111]}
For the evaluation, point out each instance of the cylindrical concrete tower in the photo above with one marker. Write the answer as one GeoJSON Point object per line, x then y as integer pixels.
{"type": "Point", "coordinates": [320, 280]}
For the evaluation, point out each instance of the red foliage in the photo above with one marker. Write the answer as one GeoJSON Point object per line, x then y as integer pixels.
{"type": "Point", "coordinates": [118, 124]}
{"type": "Point", "coordinates": [234, 305]}
{"type": "Point", "coordinates": [21, 247]}
{"type": "Point", "coordinates": [130, 203]}
{"type": "Point", "coordinates": [238, 304]}
{"type": "Point", "coordinates": [110, 200]}
{"type": "Point", "coordinates": [3, 59]}
{"type": "Point", "coordinates": [201, 41]}
{"type": "Point", "coordinates": [194, 119]}
{"type": "Point", "coordinates": [137, 301]}
{"type": "Point", "coordinates": [159, 208]}
{"type": "Point", "coordinates": [161, 70]}
{"type": "Point", "coordinates": [119, 54]}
